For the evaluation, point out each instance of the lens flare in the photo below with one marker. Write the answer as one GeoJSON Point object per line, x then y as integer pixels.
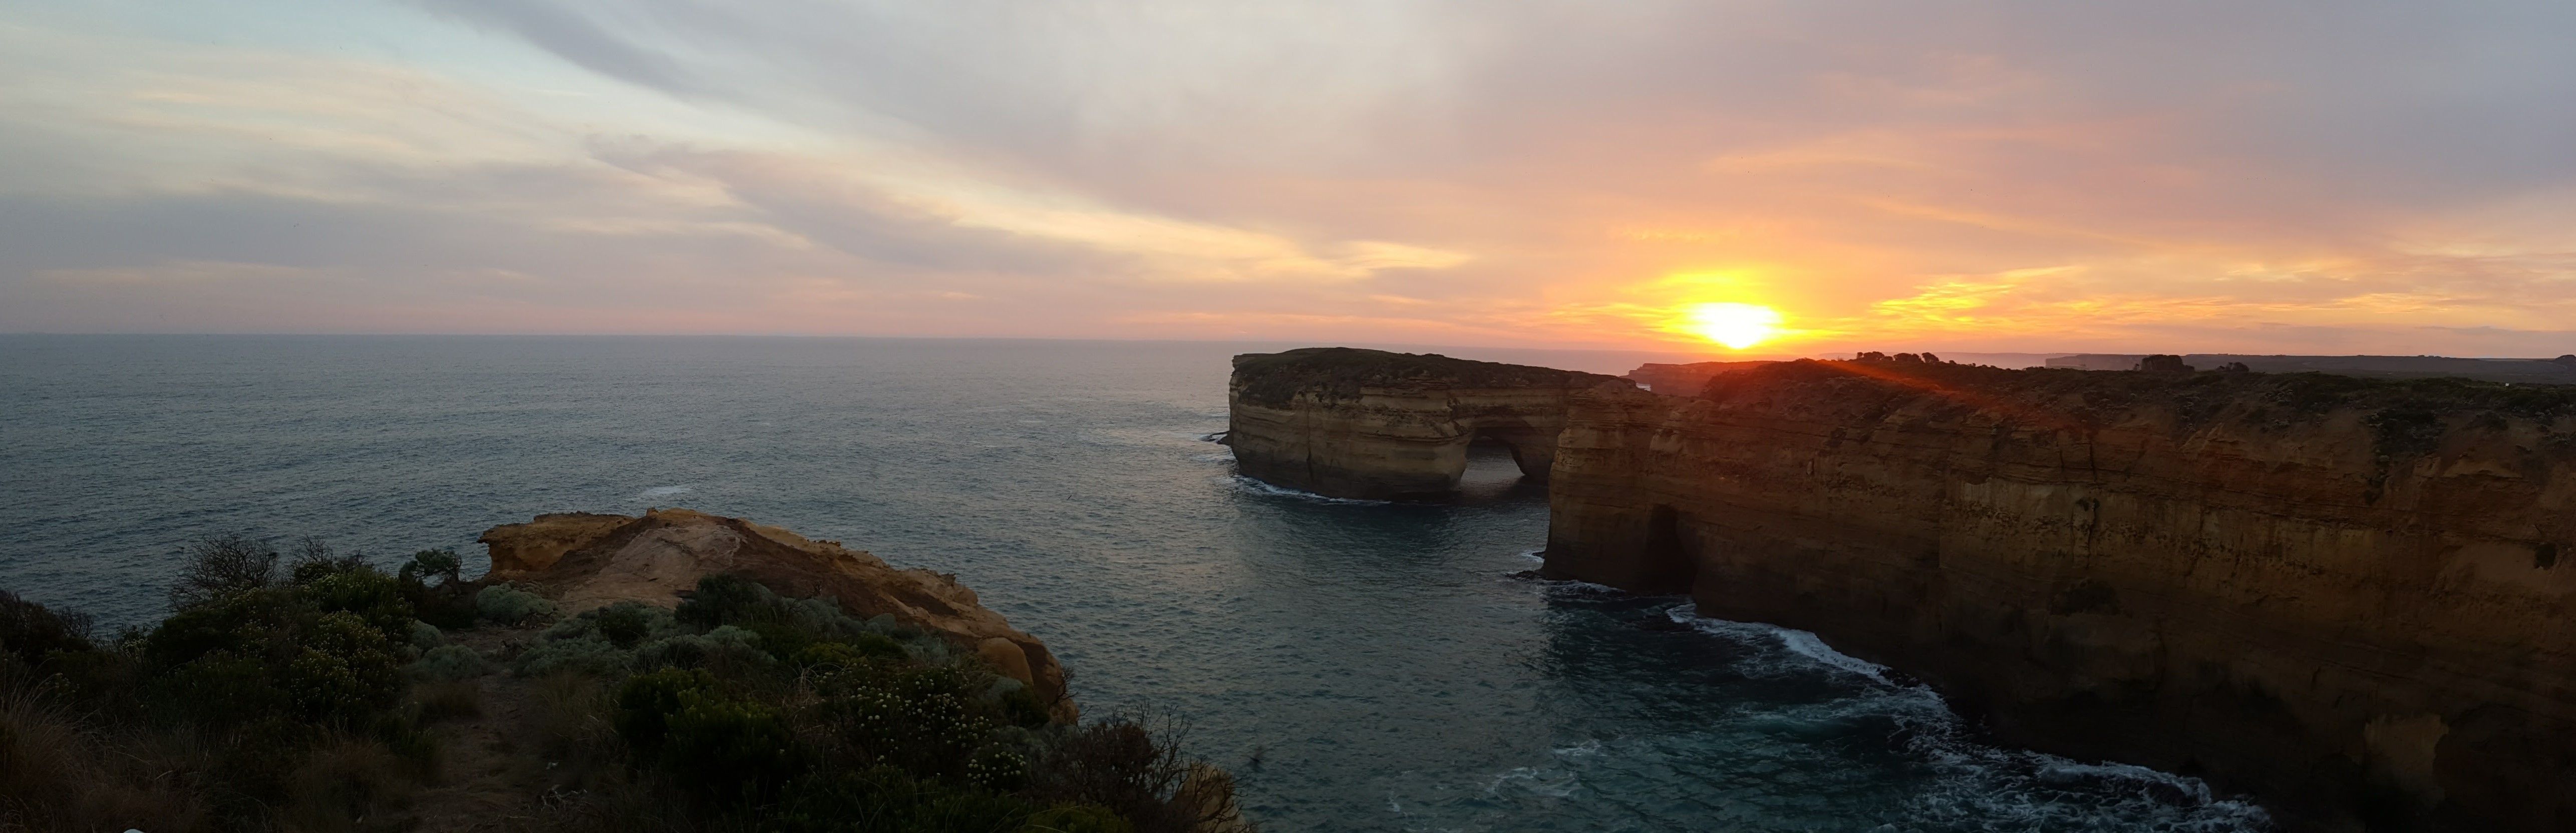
{"type": "Point", "coordinates": [1737, 326]}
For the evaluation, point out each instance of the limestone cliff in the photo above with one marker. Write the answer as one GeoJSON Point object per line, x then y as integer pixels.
{"type": "Point", "coordinates": [1371, 424]}
{"type": "Point", "coordinates": [586, 561]}
{"type": "Point", "coordinates": [2345, 597]}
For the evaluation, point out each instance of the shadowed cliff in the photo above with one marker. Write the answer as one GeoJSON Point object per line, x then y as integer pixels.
{"type": "Point", "coordinates": [1357, 423]}
{"type": "Point", "coordinates": [2345, 596]}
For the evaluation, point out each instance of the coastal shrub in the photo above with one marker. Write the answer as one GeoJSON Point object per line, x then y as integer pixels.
{"type": "Point", "coordinates": [29, 631]}
{"type": "Point", "coordinates": [315, 560]}
{"type": "Point", "coordinates": [509, 605]}
{"type": "Point", "coordinates": [448, 663]}
{"type": "Point", "coordinates": [624, 623]}
{"type": "Point", "coordinates": [443, 565]}
{"type": "Point", "coordinates": [273, 651]}
{"type": "Point", "coordinates": [367, 593]}
{"type": "Point", "coordinates": [725, 648]}
{"type": "Point", "coordinates": [886, 799]}
{"type": "Point", "coordinates": [621, 623]}
{"type": "Point", "coordinates": [446, 603]}
{"type": "Point", "coordinates": [425, 636]}
{"type": "Point", "coordinates": [645, 703]}
{"type": "Point", "coordinates": [586, 654]}
{"type": "Point", "coordinates": [221, 566]}
{"type": "Point", "coordinates": [300, 702]}
{"type": "Point", "coordinates": [726, 749]}
{"type": "Point", "coordinates": [1077, 818]}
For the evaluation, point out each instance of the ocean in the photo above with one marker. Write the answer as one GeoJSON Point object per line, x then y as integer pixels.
{"type": "Point", "coordinates": [1360, 666]}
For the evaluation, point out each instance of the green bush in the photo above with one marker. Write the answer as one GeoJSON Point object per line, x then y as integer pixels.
{"type": "Point", "coordinates": [728, 750]}
{"type": "Point", "coordinates": [449, 663]}
{"type": "Point", "coordinates": [29, 631]}
{"type": "Point", "coordinates": [625, 623]}
{"type": "Point", "coordinates": [218, 567]}
{"type": "Point", "coordinates": [428, 564]}
{"type": "Point", "coordinates": [588, 654]}
{"type": "Point", "coordinates": [646, 702]}
{"type": "Point", "coordinates": [1077, 818]}
{"type": "Point", "coordinates": [509, 605]}
{"type": "Point", "coordinates": [726, 646]}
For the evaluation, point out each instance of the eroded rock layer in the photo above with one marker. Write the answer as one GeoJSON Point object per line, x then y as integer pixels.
{"type": "Point", "coordinates": [1357, 423]}
{"type": "Point", "coordinates": [2351, 599]}
{"type": "Point", "coordinates": [585, 560]}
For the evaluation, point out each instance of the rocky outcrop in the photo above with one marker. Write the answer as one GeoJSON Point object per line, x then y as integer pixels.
{"type": "Point", "coordinates": [1357, 423]}
{"type": "Point", "coordinates": [585, 561]}
{"type": "Point", "coordinates": [2351, 599]}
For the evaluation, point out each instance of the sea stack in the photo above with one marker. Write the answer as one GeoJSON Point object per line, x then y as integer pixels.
{"type": "Point", "coordinates": [1352, 423]}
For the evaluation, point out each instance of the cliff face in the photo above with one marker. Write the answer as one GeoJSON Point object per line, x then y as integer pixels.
{"type": "Point", "coordinates": [2345, 597]}
{"type": "Point", "coordinates": [586, 560]}
{"type": "Point", "coordinates": [1371, 424]}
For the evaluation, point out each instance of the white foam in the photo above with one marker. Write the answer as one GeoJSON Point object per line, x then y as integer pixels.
{"type": "Point", "coordinates": [1535, 781]}
{"type": "Point", "coordinates": [1979, 781]}
{"type": "Point", "coordinates": [666, 491]}
{"type": "Point", "coordinates": [1225, 456]}
{"type": "Point", "coordinates": [1257, 487]}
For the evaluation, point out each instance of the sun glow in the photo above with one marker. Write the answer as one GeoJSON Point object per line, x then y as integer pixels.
{"type": "Point", "coordinates": [1737, 326]}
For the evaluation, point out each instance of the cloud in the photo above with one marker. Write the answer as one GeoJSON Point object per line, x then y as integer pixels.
{"type": "Point", "coordinates": [1992, 174]}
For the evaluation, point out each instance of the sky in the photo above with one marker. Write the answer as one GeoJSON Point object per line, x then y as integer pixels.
{"type": "Point", "coordinates": [2337, 176]}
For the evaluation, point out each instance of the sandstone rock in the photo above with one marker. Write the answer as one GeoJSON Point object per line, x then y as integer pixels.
{"type": "Point", "coordinates": [2341, 596]}
{"type": "Point", "coordinates": [1371, 424]}
{"type": "Point", "coordinates": [586, 561]}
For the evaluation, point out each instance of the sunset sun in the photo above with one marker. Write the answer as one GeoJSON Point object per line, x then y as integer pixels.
{"type": "Point", "coordinates": [1737, 326]}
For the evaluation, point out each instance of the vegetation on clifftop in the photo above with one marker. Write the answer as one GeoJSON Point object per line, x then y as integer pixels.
{"type": "Point", "coordinates": [324, 694]}
{"type": "Point", "coordinates": [1338, 373]}
{"type": "Point", "coordinates": [2099, 391]}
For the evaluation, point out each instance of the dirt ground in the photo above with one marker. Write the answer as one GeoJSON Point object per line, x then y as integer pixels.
{"type": "Point", "coordinates": [492, 775]}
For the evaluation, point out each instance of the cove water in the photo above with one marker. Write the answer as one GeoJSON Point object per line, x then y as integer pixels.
{"type": "Point", "coordinates": [1360, 666]}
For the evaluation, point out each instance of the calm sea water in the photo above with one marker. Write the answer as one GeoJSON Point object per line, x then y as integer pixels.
{"type": "Point", "coordinates": [1361, 666]}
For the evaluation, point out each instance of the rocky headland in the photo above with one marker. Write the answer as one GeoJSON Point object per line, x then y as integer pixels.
{"type": "Point", "coordinates": [586, 561]}
{"type": "Point", "coordinates": [1354, 423]}
{"type": "Point", "coordinates": [2344, 597]}
{"type": "Point", "coordinates": [674, 671]}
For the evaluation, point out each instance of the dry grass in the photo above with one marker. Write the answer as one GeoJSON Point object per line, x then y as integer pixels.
{"type": "Point", "coordinates": [349, 786]}
{"type": "Point", "coordinates": [574, 717]}
{"type": "Point", "coordinates": [444, 700]}
{"type": "Point", "coordinates": [58, 773]}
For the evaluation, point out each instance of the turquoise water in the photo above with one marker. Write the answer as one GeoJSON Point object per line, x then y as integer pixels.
{"type": "Point", "coordinates": [1361, 666]}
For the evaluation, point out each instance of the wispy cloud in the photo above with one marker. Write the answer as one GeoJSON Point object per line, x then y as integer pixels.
{"type": "Point", "coordinates": [1998, 174]}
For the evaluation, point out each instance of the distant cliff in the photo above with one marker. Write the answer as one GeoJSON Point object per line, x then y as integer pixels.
{"type": "Point", "coordinates": [1685, 379]}
{"type": "Point", "coordinates": [2348, 597]}
{"type": "Point", "coordinates": [1372, 424]}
